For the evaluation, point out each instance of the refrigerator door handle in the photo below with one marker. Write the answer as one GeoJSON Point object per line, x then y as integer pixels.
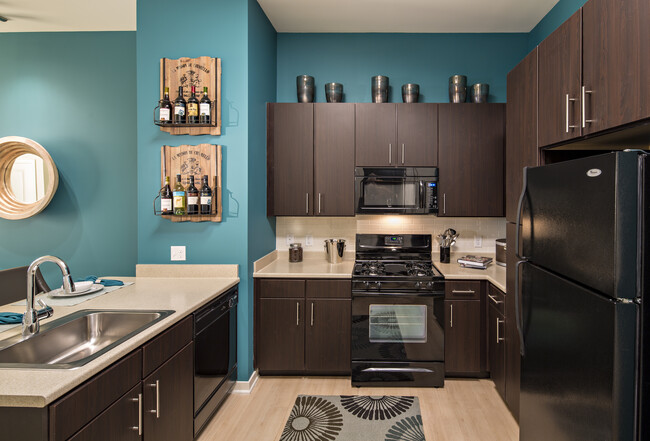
{"type": "Point", "coordinates": [520, 207]}
{"type": "Point", "coordinates": [518, 312]}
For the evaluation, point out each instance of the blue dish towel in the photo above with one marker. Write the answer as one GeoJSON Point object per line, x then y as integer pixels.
{"type": "Point", "coordinates": [10, 318]}
{"type": "Point", "coordinates": [105, 282]}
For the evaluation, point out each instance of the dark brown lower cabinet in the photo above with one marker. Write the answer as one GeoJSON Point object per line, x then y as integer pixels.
{"type": "Point", "coordinates": [302, 326]}
{"type": "Point", "coordinates": [168, 396]}
{"type": "Point", "coordinates": [497, 349]}
{"type": "Point", "coordinates": [281, 336]}
{"type": "Point", "coordinates": [118, 422]}
{"type": "Point", "coordinates": [463, 337]}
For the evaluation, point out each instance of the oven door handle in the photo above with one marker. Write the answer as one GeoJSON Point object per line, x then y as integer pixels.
{"type": "Point", "coordinates": [396, 369]}
{"type": "Point", "coordinates": [421, 194]}
{"type": "Point", "coordinates": [385, 296]}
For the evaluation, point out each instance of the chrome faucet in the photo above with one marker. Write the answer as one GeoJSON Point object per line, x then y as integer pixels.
{"type": "Point", "coordinates": [32, 315]}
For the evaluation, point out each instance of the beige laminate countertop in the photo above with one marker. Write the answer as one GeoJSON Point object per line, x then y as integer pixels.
{"type": "Point", "coordinates": [494, 273]}
{"type": "Point", "coordinates": [314, 264]}
{"type": "Point", "coordinates": [39, 387]}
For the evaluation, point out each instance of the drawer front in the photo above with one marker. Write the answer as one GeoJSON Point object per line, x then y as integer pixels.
{"type": "Point", "coordinates": [324, 289]}
{"type": "Point", "coordinates": [80, 406]}
{"type": "Point", "coordinates": [497, 299]}
{"type": "Point", "coordinates": [161, 348]}
{"type": "Point", "coordinates": [462, 290]}
{"type": "Point", "coordinates": [282, 288]}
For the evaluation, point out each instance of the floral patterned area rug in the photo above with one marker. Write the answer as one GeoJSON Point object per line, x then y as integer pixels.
{"type": "Point", "coordinates": [354, 418]}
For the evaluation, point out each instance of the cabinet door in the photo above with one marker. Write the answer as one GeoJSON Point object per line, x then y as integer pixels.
{"type": "Point", "coordinates": [521, 128]}
{"type": "Point", "coordinates": [376, 135]}
{"type": "Point", "coordinates": [417, 135]}
{"type": "Point", "coordinates": [327, 336]}
{"type": "Point", "coordinates": [463, 336]}
{"type": "Point", "coordinates": [281, 336]}
{"type": "Point", "coordinates": [470, 157]}
{"type": "Point", "coordinates": [513, 357]}
{"type": "Point", "coordinates": [497, 353]}
{"type": "Point", "coordinates": [616, 65]}
{"type": "Point", "coordinates": [559, 83]}
{"type": "Point", "coordinates": [118, 422]}
{"type": "Point", "coordinates": [290, 159]}
{"type": "Point", "coordinates": [334, 159]}
{"type": "Point", "coordinates": [168, 405]}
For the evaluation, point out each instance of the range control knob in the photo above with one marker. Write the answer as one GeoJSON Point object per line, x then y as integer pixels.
{"type": "Point", "coordinates": [429, 285]}
{"type": "Point", "coordinates": [417, 285]}
{"type": "Point", "coordinates": [377, 286]}
{"type": "Point", "coordinates": [366, 285]}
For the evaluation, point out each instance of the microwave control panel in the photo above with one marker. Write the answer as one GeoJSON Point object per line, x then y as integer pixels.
{"type": "Point", "coordinates": [431, 197]}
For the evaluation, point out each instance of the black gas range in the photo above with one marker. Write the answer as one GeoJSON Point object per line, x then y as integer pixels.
{"type": "Point", "coordinates": [397, 312]}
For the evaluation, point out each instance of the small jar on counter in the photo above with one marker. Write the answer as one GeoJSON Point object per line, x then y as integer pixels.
{"type": "Point", "coordinates": [295, 252]}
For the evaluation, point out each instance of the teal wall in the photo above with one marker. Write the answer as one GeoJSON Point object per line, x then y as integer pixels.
{"type": "Point", "coordinates": [221, 30]}
{"type": "Point", "coordinates": [74, 93]}
{"type": "Point", "coordinates": [555, 17]}
{"type": "Point", "coordinates": [426, 59]}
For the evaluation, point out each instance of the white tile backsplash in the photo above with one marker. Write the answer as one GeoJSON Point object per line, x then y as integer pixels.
{"type": "Point", "coordinates": [321, 228]}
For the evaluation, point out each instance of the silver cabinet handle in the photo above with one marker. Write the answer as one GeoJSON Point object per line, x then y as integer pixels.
{"type": "Point", "coordinates": [319, 197]}
{"type": "Point", "coordinates": [451, 316]}
{"type": "Point", "coordinates": [390, 153]}
{"type": "Point", "coordinates": [157, 409]}
{"type": "Point", "coordinates": [139, 426]}
{"type": "Point", "coordinates": [307, 203]}
{"type": "Point", "coordinates": [494, 299]}
{"type": "Point", "coordinates": [297, 313]}
{"type": "Point", "coordinates": [444, 203]}
{"type": "Point", "coordinates": [499, 339]}
{"type": "Point", "coordinates": [461, 291]}
{"type": "Point", "coordinates": [397, 369]}
{"type": "Point", "coordinates": [584, 107]}
{"type": "Point", "coordinates": [402, 154]}
{"type": "Point", "coordinates": [312, 313]}
{"type": "Point", "coordinates": [567, 113]}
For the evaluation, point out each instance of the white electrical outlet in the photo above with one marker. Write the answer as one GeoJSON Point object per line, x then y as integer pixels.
{"type": "Point", "coordinates": [478, 241]}
{"type": "Point", "coordinates": [309, 240]}
{"type": "Point", "coordinates": [178, 253]}
{"type": "Point", "coordinates": [289, 239]}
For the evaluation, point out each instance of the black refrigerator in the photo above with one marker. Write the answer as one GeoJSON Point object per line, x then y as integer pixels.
{"type": "Point", "coordinates": [581, 277]}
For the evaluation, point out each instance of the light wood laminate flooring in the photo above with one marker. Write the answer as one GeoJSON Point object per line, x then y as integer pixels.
{"type": "Point", "coordinates": [463, 410]}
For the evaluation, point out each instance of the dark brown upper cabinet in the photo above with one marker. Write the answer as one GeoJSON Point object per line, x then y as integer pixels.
{"type": "Point", "coordinates": [310, 159]}
{"type": "Point", "coordinates": [334, 159]}
{"type": "Point", "coordinates": [398, 135]}
{"type": "Point", "coordinates": [521, 128]}
{"type": "Point", "coordinates": [290, 159]}
{"type": "Point", "coordinates": [471, 159]}
{"type": "Point", "coordinates": [616, 62]}
{"type": "Point", "coordinates": [560, 82]}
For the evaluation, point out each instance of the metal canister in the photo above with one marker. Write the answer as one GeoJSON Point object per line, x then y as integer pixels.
{"type": "Point", "coordinates": [501, 252]}
{"type": "Point", "coordinates": [295, 252]}
{"type": "Point", "coordinates": [379, 89]}
{"type": "Point", "coordinates": [334, 249]}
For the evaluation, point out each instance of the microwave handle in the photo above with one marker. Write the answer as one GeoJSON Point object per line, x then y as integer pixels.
{"type": "Point", "coordinates": [421, 194]}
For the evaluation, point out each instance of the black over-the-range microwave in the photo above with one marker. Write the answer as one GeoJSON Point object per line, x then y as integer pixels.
{"type": "Point", "coordinates": [396, 190]}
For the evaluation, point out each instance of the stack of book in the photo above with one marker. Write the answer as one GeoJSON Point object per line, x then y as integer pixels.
{"type": "Point", "coordinates": [478, 262]}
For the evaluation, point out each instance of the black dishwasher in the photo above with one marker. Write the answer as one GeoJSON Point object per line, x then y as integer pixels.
{"type": "Point", "coordinates": [215, 355]}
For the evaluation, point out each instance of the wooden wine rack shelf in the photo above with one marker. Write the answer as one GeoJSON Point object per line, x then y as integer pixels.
{"type": "Point", "coordinates": [195, 160]}
{"type": "Point", "coordinates": [187, 72]}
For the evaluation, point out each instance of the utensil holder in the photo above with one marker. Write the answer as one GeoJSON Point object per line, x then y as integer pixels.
{"type": "Point", "coordinates": [445, 254]}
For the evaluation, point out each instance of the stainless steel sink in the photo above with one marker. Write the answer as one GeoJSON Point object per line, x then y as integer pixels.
{"type": "Point", "coordinates": [76, 339]}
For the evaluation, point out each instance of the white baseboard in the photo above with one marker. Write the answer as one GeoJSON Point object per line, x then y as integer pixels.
{"type": "Point", "coordinates": [246, 387]}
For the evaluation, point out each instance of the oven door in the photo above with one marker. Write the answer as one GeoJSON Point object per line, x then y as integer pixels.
{"type": "Point", "coordinates": [398, 327]}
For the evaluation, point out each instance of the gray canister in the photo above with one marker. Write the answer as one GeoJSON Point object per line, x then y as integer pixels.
{"type": "Point", "coordinates": [410, 93]}
{"type": "Point", "coordinates": [305, 88]}
{"type": "Point", "coordinates": [334, 249]}
{"type": "Point", "coordinates": [334, 92]}
{"type": "Point", "coordinates": [500, 252]}
{"type": "Point", "coordinates": [479, 92]}
{"type": "Point", "coordinates": [379, 89]}
{"type": "Point", "coordinates": [457, 89]}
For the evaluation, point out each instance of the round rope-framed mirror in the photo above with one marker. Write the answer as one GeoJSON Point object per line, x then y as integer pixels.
{"type": "Point", "coordinates": [28, 177]}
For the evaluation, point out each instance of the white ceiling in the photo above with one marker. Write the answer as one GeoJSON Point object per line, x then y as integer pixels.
{"type": "Point", "coordinates": [405, 15]}
{"type": "Point", "coordinates": [67, 15]}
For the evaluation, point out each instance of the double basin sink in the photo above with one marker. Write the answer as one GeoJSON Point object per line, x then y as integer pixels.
{"type": "Point", "coordinates": [76, 339]}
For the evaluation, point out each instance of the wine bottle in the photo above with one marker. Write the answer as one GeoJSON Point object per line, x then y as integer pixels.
{"type": "Point", "coordinates": [166, 198]}
{"type": "Point", "coordinates": [193, 108]}
{"type": "Point", "coordinates": [206, 197]}
{"type": "Point", "coordinates": [214, 193]}
{"type": "Point", "coordinates": [165, 114]}
{"type": "Point", "coordinates": [179, 197]}
{"type": "Point", "coordinates": [192, 198]}
{"type": "Point", "coordinates": [179, 107]}
{"type": "Point", "coordinates": [205, 108]}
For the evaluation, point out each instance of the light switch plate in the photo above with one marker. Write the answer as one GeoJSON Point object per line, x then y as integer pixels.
{"type": "Point", "coordinates": [178, 253]}
{"type": "Point", "coordinates": [289, 239]}
{"type": "Point", "coordinates": [309, 240]}
{"type": "Point", "coordinates": [478, 241]}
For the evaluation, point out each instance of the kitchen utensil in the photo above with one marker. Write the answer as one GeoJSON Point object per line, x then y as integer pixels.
{"type": "Point", "coordinates": [334, 249]}
{"type": "Point", "coordinates": [295, 252]}
{"type": "Point", "coordinates": [410, 93]}
{"type": "Point", "coordinates": [334, 92]}
{"type": "Point", "coordinates": [379, 89]}
{"type": "Point", "coordinates": [305, 88]}
{"type": "Point", "coordinates": [479, 93]}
